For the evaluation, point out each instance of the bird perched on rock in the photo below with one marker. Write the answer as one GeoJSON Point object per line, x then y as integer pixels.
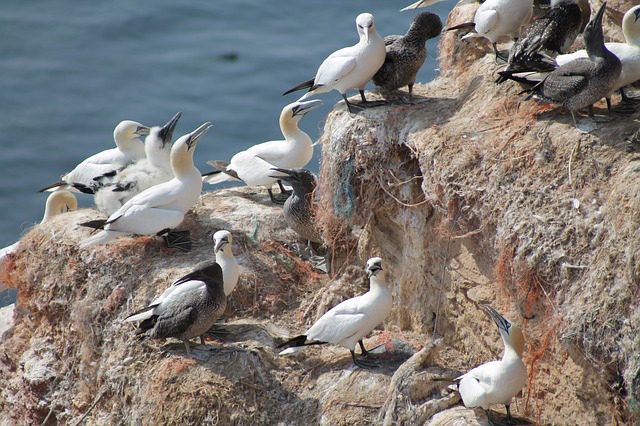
{"type": "Point", "coordinates": [497, 382]}
{"type": "Point", "coordinates": [131, 180]}
{"type": "Point", "coordinates": [347, 323]}
{"type": "Point", "coordinates": [551, 34]}
{"type": "Point", "coordinates": [496, 18]}
{"type": "Point", "coordinates": [91, 173]}
{"type": "Point", "coordinates": [227, 261]}
{"type": "Point", "coordinates": [58, 202]}
{"type": "Point", "coordinates": [187, 309]}
{"type": "Point", "coordinates": [298, 209]}
{"type": "Point", "coordinates": [161, 208]}
{"type": "Point", "coordinates": [628, 53]}
{"type": "Point", "coordinates": [254, 165]}
{"type": "Point", "coordinates": [581, 82]}
{"type": "Point", "coordinates": [350, 67]}
{"type": "Point", "coordinates": [407, 53]}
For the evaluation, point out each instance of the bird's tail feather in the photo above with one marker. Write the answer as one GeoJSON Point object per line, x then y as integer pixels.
{"type": "Point", "coordinates": [460, 26]}
{"type": "Point", "coordinates": [306, 85]}
{"type": "Point", "coordinates": [54, 187]}
{"type": "Point", "coordinates": [141, 315]}
{"type": "Point", "coordinates": [215, 177]}
{"type": "Point", "coordinates": [94, 224]}
{"type": "Point", "coordinates": [101, 237]}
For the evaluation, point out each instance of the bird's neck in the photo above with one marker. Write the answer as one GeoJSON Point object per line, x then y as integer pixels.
{"type": "Point", "coordinates": [416, 36]}
{"type": "Point", "coordinates": [183, 167]}
{"type": "Point", "coordinates": [225, 256]}
{"type": "Point", "coordinates": [596, 48]}
{"type": "Point", "coordinates": [290, 130]}
{"type": "Point", "coordinates": [631, 31]}
{"type": "Point", "coordinates": [510, 355]}
{"type": "Point", "coordinates": [378, 285]}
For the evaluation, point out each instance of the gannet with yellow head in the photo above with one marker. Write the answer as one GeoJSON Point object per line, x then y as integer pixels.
{"type": "Point", "coordinates": [87, 176]}
{"type": "Point", "coordinates": [347, 323]}
{"type": "Point", "coordinates": [253, 166]}
{"type": "Point", "coordinates": [497, 382]}
{"type": "Point", "coordinates": [161, 208]}
{"type": "Point", "coordinates": [350, 67]}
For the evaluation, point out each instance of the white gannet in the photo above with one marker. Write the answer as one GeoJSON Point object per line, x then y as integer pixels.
{"type": "Point", "coordinates": [253, 166]}
{"type": "Point", "coordinates": [628, 53]}
{"type": "Point", "coordinates": [155, 168]}
{"type": "Point", "coordinates": [581, 82]}
{"type": "Point", "coordinates": [161, 208]}
{"type": "Point", "coordinates": [496, 18]}
{"type": "Point", "coordinates": [90, 174]}
{"type": "Point", "coordinates": [57, 203]}
{"type": "Point", "coordinates": [350, 67]}
{"type": "Point", "coordinates": [497, 382]}
{"type": "Point", "coordinates": [189, 309]}
{"type": "Point", "coordinates": [347, 323]}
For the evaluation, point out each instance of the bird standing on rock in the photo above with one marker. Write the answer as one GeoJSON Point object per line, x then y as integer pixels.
{"type": "Point", "coordinates": [581, 82]}
{"type": "Point", "coordinates": [406, 54]}
{"type": "Point", "coordinates": [298, 209]}
{"type": "Point", "coordinates": [347, 323]}
{"type": "Point", "coordinates": [628, 53]}
{"type": "Point", "coordinates": [87, 176]}
{"type": "Point", "coordinates": [497, 382]}
{"type": "Point", "coordinates": [161, 208]}
{"type": "Point", "coordinates": [496, 18]}
{"type": "Point", "coordinates": [350, 67]}
{"type": "Point", "coordinates": [187, 309]}
{"type": "Point", "coordinates": [253, 166]}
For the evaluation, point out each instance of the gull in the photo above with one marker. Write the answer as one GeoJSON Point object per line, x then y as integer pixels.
{"type": "Point", "coordinates": [187, 309]}
{"type": "Point", "coordinates": [253, 166]}
{"type": "Point", "coordinates": [131, 180]}
{"type": "Point", "coordinates": [497, 382]}
{"type": "Point", "coordinates": [90, 174]}
{"type": "Point", "coordinates": [161, 208]}
{"type": "Point", "coordinates": [347, 323]}
{"type": "Point", "coordinates": [407, 53]}
{"type": "Point", "coordinates": [350, 67]}
{"type": "Point", "coordinates": [58, 202]}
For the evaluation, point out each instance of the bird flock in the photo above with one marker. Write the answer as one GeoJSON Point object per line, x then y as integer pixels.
{"type": "Point", "coordinates": [146, 186]}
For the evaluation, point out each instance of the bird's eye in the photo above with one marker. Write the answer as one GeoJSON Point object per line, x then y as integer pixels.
{"type": "Point", "coordinates": [359, 26]}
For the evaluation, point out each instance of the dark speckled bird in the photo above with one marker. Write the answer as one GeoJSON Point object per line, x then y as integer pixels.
{"type": "Point", "coordinates": [407, 53]}
{"type": "Point", "coordinates": [187, 309]}
{"type": "Point", "coordinates": [551, 34]}
{"type": "Point", "coordinates": [582, 82]}
{"type": "Point", "coordinates": [298, 209]}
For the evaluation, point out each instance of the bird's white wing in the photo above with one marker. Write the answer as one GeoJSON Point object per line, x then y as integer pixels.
{"type": "Point", "coordinates": [335, 67]}
{"type": "Point", "coordinates": [252, 169]}
{"type": "Point", "coordinates": [176, 289]}
{"type": "Point", "coordinates": [268, 151]}
{"type": "Point", "coordinates": [335, 327]}
{"type": "Point", "coordinates": [156, 196]}
{"type": "Point", "coordinates": [486, 20]}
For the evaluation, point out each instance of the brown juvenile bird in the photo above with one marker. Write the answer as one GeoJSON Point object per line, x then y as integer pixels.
{"type": "Point", "coordinates": [407, 53]}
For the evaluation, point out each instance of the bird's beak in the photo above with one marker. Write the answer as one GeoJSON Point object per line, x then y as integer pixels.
{"type": "Point", "coordinates": [287, 173]}
{"type": "Point", "coordinates": [220, 243]}
{"type": "Point", "coordinates": [197, 134]}
{"type": "Point", "coordinates": [166, 133]}
{"type": "Point", "coordinates": [304, 107]}
{"type": "Point", "coordinates": [637, 13]}
{"type": "Point", "coordinates": [142, 131]}
{"type": "Point", "coordinates": [372, 271]}
{"type": "Point", "coordinates": [365, 31]}
{"type": "Point", "coordinates": [500, 321]}
{"type": "Point", "coordinates": [598, 18]}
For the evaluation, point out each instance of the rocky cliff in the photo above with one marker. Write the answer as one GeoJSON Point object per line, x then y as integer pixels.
{"type": "Point", "coordinates": [470, 196]}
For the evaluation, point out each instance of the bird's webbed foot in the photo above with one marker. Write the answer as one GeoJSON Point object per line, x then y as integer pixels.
{"type": "Point", "coordinates": [178, 239]}
{"type": "Point", "coordinates": [363, 363]}
{"type": "Point", "coordinates": [278, 198]}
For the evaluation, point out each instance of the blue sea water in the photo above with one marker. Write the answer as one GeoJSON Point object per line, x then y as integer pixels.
{"type": "Point", "coordinates": [70, 71]}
